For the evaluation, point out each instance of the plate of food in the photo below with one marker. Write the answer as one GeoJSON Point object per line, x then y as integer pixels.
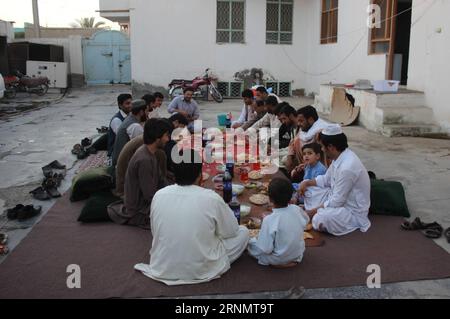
{"type": "Point", "coordinates": [205, 177]}
{"type": "Point", "coordinates": [238, 189]}
{"type": "Point", "coordinates": [253, 185]}
{"type": "Point", "coordinates": [255, 175]}
{"type": "Point", "coordinates": [259, 199]}
{"type": "Point", "coordinates": [253, 223]}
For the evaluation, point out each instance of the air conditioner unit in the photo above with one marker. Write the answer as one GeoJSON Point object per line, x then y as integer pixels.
{"type": "Point", "coordinates": [57, 72]}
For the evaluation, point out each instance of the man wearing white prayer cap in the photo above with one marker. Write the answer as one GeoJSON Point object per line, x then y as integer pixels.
{"type": "Point", "coordinates": [338, 202]}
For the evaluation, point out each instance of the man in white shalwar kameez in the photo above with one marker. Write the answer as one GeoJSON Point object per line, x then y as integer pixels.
{"type": "Point", "coordinates": [196, 236]}
{"type": "Point", "coordinates": [339, 201]}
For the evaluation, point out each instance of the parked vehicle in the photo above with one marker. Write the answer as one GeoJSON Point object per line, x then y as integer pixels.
{"type": "Point", "coordinates": [201, 85]}
{"type": "Point", "coordinates": [2, 87]}
{"type": "Point", "coordinates": [25, 83]}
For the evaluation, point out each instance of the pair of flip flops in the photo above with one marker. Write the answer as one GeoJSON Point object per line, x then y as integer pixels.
{"type": "Point", "coordinates": [49, 189]}
{"type": "Point", "coordinates": [22, 213]}
{"type": "Point", "coordinates": [431, 230]}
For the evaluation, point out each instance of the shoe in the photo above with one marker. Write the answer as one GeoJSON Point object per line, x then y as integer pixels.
{"type": "Point", "coordinates": [3, 239]}
{"type": "Point", "coordinates": [77, 148]}
{"type": "Point", "coordinates": [82, 155]}
{"type": "Point", "coordinates": [102, 130]}
{"type": "Point", "coordinates": [3, 250]}
{"type": "Point", "coordinates": [51, 187]}
{"type": "Point", "coordinates": [433, 233]}
{"type": "Point", "coordinates": [13, 212]}
{"type": "Point", "coordinates": [447, 234]}
{"type": "Point", "coordinates": [28, 212]}
{"type": "Point", "coordinates": [86, 142]}
{"type": "Point", "coordinates": [56, 165]}
{"type": "Point", "coordinates": [40, 194]}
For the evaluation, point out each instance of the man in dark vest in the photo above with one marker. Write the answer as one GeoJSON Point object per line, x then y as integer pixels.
{"type": "Point", "coordinates": [124, 103]}
{"type": "Point", "coordinates": [131, 127]}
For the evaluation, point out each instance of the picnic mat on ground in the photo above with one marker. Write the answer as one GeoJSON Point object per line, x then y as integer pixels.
{"type": "Point", "coordinates": [107, 253]}
{"type": "Point", "coordinates": [93, 161]}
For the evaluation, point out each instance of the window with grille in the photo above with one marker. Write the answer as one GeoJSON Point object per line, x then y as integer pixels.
{"type": "Point", "coordinates": [329, 28]}
{"type": "Point", "coordinates": [380, 38]}
{"type": "Point", "coordinates": [279, 21]}
{"type": "Point", "coordinates": [230, 21]}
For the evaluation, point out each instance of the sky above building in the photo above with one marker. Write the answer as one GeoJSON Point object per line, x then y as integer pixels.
{"type": "Point", "coordinates": [52, 13]}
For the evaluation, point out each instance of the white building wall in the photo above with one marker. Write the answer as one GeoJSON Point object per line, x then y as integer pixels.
{"type": "Point", "coordinates": [429, 64]}
{"type": "Point", "coordinates": [182, 43]}
{"type": "Point", "coordinates": [347, 60]}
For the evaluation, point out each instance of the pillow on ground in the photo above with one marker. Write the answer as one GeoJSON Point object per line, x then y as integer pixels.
{"type": "Point", "coordinates": [95, 209]}
{"type": "Point", "coordinates": [101, 144]}
{"type": "Point", "coordinates": [388, 198]}
{"type": "Point", "coordinates": [89, 182]}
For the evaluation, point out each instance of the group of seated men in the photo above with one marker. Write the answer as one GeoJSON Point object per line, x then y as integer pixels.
{"type": "Point", "coordinates": [195, 235]}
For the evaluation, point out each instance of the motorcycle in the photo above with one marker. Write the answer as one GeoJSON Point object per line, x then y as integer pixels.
{"type": "Point", "coordinates": [25, 83]}
{"type": "Point", "coordinates": [201, 86]}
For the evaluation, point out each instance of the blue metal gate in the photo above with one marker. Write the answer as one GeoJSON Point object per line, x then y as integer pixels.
{"type": "Point", "coordinates": [107, 58]}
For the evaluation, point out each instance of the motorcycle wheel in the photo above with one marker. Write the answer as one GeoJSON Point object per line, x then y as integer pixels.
{"type": "Point", "coordinates": [215, 94]}
{"type": "Point", "coordinates": [42, 89]}
{"type": "Point", "coordinates": [175, 92]}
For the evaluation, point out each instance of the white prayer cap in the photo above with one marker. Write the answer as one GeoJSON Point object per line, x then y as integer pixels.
{"type": "Point", "coordinates": [333, 129]}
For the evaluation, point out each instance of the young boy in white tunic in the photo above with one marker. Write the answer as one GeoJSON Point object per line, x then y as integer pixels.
{"type": "Point", "coordinates": [338, 201]}
{"type": "Point", "coordinates": [280, 241]}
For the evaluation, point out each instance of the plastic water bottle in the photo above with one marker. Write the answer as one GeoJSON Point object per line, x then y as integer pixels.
{"type": "Point", "coordinates": [235, 206]}
{"type": "Point", "coordinates": [227, 187]}
{"type": "Point", "coordinates": [230, 165]}
{"type": "Point", "coordinates": [228, 121]}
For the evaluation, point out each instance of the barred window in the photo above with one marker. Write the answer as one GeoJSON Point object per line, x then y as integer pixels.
{"type": "Point", "coordinates": [230, 21]}
{"type": "Point", "coordinates": [279, 21]}
{"type": "Point", "coordinates": [329, 30]}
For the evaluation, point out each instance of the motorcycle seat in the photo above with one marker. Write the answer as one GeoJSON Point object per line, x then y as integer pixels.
{"type": "Point", "coordinates": [180, 82]}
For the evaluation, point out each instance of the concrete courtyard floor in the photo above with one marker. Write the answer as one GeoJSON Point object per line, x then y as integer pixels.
{"type": "Point", "coordinates": [37, 136]}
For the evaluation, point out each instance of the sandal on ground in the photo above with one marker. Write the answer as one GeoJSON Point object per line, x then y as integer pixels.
{"type": "Point", "coordinates": [433, 233]}
{"type": "Point", "coordinates": [86, 142]}
{"type": "Point", "coordinates": [40, 193]}
{"type": "Point", "coordinates": [447, 234]}
{"type": "Point", "coordinates": [3, 238]}
{"type": "Point", "coordinates": [3, 250]}
{"type": "Point", "coordinates": [13, 212]}
{"type": "Point", "coordinates": [433, 225]}
{"type": "Point", "coordinates": [50, 185]}
{"type": "Point", "coordinates": [28, 212]}
{"type": "Point", "coordinates": [416, 224]}
{"type": "Point", "coordinates": [77, 148]}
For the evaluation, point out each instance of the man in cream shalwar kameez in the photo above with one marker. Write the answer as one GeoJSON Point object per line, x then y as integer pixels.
{"type": "Point", "coordinates": [340, 199]}
{"type": "Point", "coordinates": [196, 236]}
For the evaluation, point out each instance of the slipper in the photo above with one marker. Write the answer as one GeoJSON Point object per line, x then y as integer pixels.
{"type": "Point", "coordinates": [416, 224]}
{"type": "Point", "coordinates": [28, 212]}
{"type": "Point", "coordinates": [433, 225]}
{"type": "Point", "coordinates": [433, 233]}
{"type": "Point", "coordinates": [56, 165]}
{"type": "Point", "coordinates": [86, 142]}
{"type": "Point", "coordinates": [40, 193]}
{"type": "Point", "coordinates": [3, 238]}
{"type": "Point", "coordinates": [447, 234]}
{"type": "Point", "coordinates": [77, 148]}
{"type": "Point", "coordinates": [13, 212]}
{"type": "Point", "coordinates": [3, 250]}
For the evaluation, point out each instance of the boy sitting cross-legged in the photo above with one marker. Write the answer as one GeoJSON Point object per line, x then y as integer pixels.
{"type": "Point", "coordinates": [280, 242]}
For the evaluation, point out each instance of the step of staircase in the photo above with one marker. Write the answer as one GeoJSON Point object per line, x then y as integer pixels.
{"type": "Point", "coordinates": [414, 130]}
{"type": "Point", "coordinates": [406, 115]}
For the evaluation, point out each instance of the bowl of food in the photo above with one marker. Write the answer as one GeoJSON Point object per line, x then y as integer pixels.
{"type": "Point", "coordinates": [245, 210]}
{"type": "Point", "coordinates": [238, 189]}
